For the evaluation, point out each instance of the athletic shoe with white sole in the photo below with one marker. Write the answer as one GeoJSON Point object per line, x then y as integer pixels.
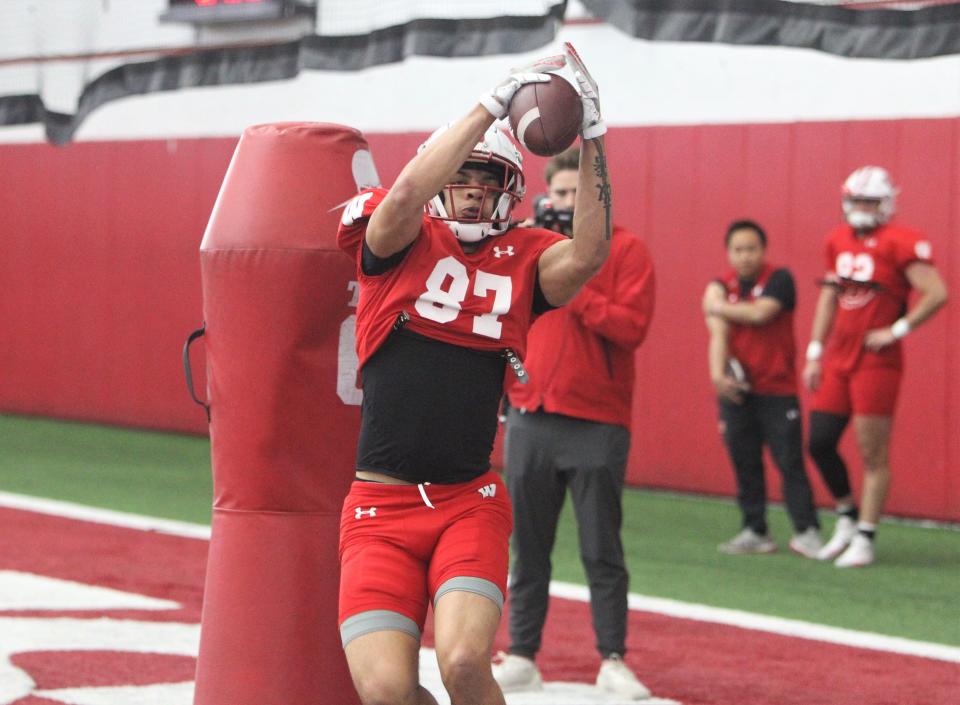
{"type": "Point", "coordinates": [858, 554]}
{"type": "Point", "coordinates": [748, 541]}
{"type": "Point", "coordinates": [616, 678]}
{"type": "Point", "coordinates": [516, 674]}
{"type": "Point", "coordinates": [807, 543]}
{"type": "Point", "coordinates": [843, 533]}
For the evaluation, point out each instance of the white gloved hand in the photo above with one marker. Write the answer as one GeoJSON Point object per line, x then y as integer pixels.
{"type": "Point", "coordinates": [497, 101]}
{"type": "Point", "coordinates": [593, 124]}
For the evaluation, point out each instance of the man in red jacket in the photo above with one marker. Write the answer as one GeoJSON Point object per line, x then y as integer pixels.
{"type": "Point", "coordinates": [569, 428]}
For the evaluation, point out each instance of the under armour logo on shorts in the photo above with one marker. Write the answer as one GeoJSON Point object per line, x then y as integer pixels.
{"type": "Point", "coordinates": [360, 512]}
{"type": "Point", "coordinates": [488, 491]}
{"type": "Point", "coordinates": [508, 251]}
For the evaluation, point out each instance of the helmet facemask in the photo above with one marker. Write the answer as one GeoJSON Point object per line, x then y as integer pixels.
{"type": "Point", "coordinates": [865, 220]}
{"type": "Point", "coordinates": [873, 184]}
{"type": "Point", "coordinates": [497, 155]}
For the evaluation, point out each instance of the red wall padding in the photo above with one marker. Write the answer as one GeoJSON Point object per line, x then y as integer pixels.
{"type": "Point", "coordinates": [100, 276]}
{"type": "Point", "coordinates": [100, 272]}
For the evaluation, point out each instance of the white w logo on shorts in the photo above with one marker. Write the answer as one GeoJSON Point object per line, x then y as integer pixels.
{"type": "Point", "coordinates": [488, 491]}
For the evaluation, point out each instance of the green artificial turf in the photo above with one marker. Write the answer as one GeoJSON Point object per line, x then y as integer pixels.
{"type": "Point", "coordinates": [146, 472]}
{"type": "Point", "coordinates": [671, 543]}
{"type": "Point", "coordinates": [670, 539]}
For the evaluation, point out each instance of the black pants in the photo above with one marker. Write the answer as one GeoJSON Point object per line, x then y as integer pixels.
{"type": "Point", "coordinates": [545, 454]}
{"type": "Point", "coordinates": [774, 421]}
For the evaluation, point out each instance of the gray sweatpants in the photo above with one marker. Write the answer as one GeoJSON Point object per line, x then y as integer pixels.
{"type": "Point", "coordinates": [544, 455]}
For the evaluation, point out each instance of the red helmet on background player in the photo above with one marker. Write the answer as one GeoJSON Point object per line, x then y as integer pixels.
{"type": "Point", "coordinates": [869, 183]}
{"type": "Point", "coordinates": [496, 153]}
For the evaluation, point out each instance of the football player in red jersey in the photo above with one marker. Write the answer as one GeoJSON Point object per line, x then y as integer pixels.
{"type": "Point", "coordinates": [448, 288]}
{"type": "Point", "coordinates": [749, 313]}
{"type": "Point", "coordinates": [871, 267]}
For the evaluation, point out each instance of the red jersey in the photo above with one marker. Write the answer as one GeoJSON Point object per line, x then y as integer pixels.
{"type": "Point", "coordinates": [768, 352]}
{"type": "Point", "coordinates": [873, 289]}
{"type": "Point", "coordinates": [581, 356]}
{"type": "Point", "coordinates": [481, 300]}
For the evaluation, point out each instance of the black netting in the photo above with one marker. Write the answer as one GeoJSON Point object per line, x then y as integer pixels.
{"type": "Point", "coordinates": [881, 4]}
{"type": "Point", "coordinates": [875, 29]}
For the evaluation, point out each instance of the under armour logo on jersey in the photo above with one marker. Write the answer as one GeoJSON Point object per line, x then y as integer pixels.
{"type": "Point", "coordinates": [488, 491]}
{"type": "Point", "coordinates": [360, 512]}
{"type": "Point", "coordinates": [793, 414]}
{"type": "Point", "coordinates": [508, 251]}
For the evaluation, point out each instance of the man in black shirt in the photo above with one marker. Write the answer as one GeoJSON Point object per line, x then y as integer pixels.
{"type": "Point", "coordinates": [752, 365]}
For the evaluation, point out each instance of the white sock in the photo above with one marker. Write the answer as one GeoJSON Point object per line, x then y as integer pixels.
{"type": "Point", "coordinates": [866, 528]}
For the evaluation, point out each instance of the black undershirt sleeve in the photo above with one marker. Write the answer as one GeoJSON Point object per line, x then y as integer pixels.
{"type": "Point", "coordinates": [540, 303]}
{"type": "Point", "coordinates": [374, 265]}
{"type": "Point", "coordinates": [780, 286]}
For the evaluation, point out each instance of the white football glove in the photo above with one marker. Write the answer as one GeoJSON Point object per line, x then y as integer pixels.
{"type": "Point", "coordinates": [593, 124]}
{"type": "Point", "coordinates": [497, 101]}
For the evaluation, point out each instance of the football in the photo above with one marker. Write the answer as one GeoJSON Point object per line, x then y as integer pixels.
{"type": "Point", "coordinates": [545, 117]}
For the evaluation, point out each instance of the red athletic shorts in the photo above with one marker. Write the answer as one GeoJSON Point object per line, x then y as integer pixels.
{"type": "Point", "coordinates": [870, 391]}
{"type": "Point", "coordinates": [397, 551]}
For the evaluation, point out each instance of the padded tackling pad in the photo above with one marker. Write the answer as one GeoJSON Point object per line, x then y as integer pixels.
{"type": "Point", "coordinates": [278, 306]}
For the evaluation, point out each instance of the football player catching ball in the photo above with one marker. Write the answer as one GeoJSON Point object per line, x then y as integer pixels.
{"type": "Point", "coordinates": [448, 289]}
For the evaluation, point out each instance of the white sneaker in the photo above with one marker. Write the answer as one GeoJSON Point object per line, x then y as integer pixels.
{"type": "Point", "coordinates": [516, 674]}
{"type": "Point", "coordinates": [843, 533]}
{"type": "Point", "coordinates": [807, 543]}
{"type": "Point", "coordinates": [615, 677]}
{"type": "Point", "coordinates": [858, 554]}
{"type": "Point", "coordinates": [748, 541]}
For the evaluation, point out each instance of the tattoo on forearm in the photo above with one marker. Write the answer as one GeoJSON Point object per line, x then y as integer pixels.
{"type": "Point", "coordinates": [604, 192]}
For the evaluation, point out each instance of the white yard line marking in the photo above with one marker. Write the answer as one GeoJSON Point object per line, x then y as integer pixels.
{"type": "Point", "coordinates": [162, 694]}
{"type": "Point", "coordinates": [553, 693]}
{"type": "Point", "coordinates": [671, 608]}
{"type": "Point", "coordinates": [83, 512]}
{"type": "Point", "coordinates": [25, 591]}
{"type": "Point", "coordinates": [775, 625]}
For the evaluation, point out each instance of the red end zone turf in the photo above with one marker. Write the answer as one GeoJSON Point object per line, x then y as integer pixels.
{"type": "Point", "coordinates": [693, 662]}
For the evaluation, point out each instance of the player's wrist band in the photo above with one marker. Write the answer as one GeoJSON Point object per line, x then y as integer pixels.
{"type": "Point", "coordinates": [492, 105]}
{"type": "Point", "coordinates": [814, 351]}
{"type": "Point", "coordinates": [900, 328]}
{"type": "Point", "coordinates": [595, 130]}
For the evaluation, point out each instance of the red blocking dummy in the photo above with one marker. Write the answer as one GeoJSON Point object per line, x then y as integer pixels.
{"type": "Point", "coordinates": [278, 306]}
